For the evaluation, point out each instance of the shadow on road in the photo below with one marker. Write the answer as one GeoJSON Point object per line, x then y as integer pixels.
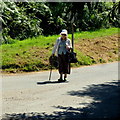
{"type": "Point", "coordinates": [108, 106]}
{"type": "Point", "coordinates": [50, 82]}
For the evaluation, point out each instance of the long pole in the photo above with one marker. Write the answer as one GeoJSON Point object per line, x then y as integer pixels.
{"type": "Point", "coordinates": [50, 73]}
{"type": "Point", "coordinates": [72, 38]}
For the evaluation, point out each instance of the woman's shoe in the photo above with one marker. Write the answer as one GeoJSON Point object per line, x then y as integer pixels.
{"type": "Point", "coordinates": [60, 80]}
{"type": "Point", "coordinates": [64, 80]}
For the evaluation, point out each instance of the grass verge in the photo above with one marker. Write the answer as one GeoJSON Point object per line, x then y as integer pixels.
{"type": "Point", "coordinates": [33, 54]}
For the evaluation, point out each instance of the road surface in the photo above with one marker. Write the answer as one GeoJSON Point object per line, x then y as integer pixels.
{"type": "Point", "coordinates": [91, 92]}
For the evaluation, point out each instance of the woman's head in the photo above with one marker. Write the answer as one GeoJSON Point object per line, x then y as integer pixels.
{"type": "Point", "coordinates": [64, 34]}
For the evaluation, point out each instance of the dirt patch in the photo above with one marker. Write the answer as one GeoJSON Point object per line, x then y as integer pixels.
{"type": "Point", "coordinates": [102, 49]}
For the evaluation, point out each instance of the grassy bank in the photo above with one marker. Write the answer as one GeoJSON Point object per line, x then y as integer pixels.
{"type": "Point", "coordinates": [33, 54]}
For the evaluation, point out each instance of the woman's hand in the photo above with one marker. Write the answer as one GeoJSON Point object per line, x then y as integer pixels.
{"type": "Point", "coordinates": [67, 47]}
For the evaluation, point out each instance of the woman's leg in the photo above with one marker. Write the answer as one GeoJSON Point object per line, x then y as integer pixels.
{"type": "Point", "coordinates": [60, 67]}
{"type": "Point", "coordinates": [63, 67]}
{"type": "Point", "coordinates": [61, 76]}
{"type": "Point", "coordinates": [65, 75]}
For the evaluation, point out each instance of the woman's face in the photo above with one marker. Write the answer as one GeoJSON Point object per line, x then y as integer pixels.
{"type": "Point", "coordinates": [63, 36]}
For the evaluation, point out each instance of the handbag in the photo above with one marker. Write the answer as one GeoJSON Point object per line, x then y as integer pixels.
{"type": "Point", "coordinates": [53, 60]}
{"type": "Point", "coordinates": [72, 57]}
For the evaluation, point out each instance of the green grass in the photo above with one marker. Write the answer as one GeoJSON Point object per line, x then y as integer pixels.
{"type": "Point", "coordinates": [98, 33]}
{"type": "Point", "coordinates": [26, 55]}
{"type": "Point", "coordinates": [43, 41]}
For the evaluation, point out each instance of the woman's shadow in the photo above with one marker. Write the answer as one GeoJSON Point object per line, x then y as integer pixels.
{"type": "Point", "coordinates": [50, 82]}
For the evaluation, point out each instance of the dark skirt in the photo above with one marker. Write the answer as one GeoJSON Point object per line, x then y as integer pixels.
{"type": "Point", "coordinates": [64, 65]}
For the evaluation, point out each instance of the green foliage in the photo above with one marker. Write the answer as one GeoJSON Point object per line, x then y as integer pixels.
{"type": "Point", "coordinates": [21, 20]}
{"type": "Point", "coordinates": [98, 15]}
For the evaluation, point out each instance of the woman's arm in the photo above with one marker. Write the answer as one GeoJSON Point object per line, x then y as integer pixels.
{"type": "Point", "coordinates": [55, 47]}
{"type": "Point", "coordinates": [69, 44]}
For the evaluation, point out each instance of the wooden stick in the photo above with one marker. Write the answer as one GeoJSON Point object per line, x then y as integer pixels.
{"type": "Point", "coordinates": [50, 73]}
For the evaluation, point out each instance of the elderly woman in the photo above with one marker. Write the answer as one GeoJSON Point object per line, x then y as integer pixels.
{"type": "Point", "coordinates": [62, 46]}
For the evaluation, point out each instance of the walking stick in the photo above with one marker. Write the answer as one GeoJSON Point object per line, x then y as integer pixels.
{"type": "Point", "coordinates": [50, 73]}
{"type": "Point", "coordinates": [51, 64]}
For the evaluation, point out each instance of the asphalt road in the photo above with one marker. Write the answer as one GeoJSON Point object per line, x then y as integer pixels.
{"type": "Point", "coordinates": [91, 92]}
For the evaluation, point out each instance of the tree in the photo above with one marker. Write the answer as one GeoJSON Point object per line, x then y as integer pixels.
{"type": "Point", "coordinates": [22, 20]}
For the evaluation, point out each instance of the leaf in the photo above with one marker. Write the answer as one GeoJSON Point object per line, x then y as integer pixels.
{"type": "Point", "coordinates": [2, 20]}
